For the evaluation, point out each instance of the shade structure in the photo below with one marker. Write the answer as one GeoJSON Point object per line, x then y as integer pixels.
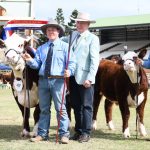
{"type": "Point", "coordinates": [131, 45]}
{"type": "Point", "coordinates": [13, 25]}
{"type": "Point", "coordinates": [108, 46]}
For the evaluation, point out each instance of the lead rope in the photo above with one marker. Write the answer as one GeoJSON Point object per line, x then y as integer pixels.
{"type": "Point", "coordinates": [137, 116]}
{"type": "Point", "coordinates": [64, 87]}
{"type": "Point", "coordinates": [24, 111]}
{"type": "Point", "coordinates": [26, 88]}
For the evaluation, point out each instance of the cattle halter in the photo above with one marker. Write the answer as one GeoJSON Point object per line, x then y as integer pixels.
{"type": "Point", "coordinates": [18, 53]}
{"type": "Point", "coordinates": [11, 50]}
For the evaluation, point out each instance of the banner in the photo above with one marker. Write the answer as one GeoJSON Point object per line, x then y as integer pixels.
{"type": "Point", "coordinates": [21, 25]}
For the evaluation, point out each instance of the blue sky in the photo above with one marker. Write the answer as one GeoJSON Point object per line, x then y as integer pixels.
{"type": "Point", "coordinates": [96, 8]}
{"type": "Point", "coordinates": [44, 9]}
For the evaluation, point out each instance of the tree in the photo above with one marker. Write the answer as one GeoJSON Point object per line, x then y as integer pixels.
{"type": "Point", "coordinates": [59, 16]}
{"type": "Point", "coordinates": [73, 15]}
{"type": "Point", "coordinates": [71, 24]}
{"type": "Point", "coordinates": [42, 39]}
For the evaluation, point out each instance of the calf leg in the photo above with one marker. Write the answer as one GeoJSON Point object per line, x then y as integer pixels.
{"type": "Point", "coordinates": [26, 127]}
{"type": "Point", "coordinates": [68, 106]}
{"type": "Point", "coordinates": [36, 116]}
{"type": "Point", "coordinates": [108, 113]}
{"type": "Point", "coordinates": [125, 113]}
{"type": "Point", "coordinates": [96, 102]}
{"type": "Point", "coordinates": [140, 112]}
{"type": "Point", "coordinates": [68, 100]}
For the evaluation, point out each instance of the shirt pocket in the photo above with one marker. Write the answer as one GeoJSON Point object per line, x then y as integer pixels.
{"type": "Point", "coordinates": [60, 57]}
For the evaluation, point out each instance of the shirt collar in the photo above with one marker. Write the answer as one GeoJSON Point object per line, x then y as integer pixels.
{"type": "Point", "coordinates": [84, 33]}
{"type": "Point", "coordinates": [54, 42]}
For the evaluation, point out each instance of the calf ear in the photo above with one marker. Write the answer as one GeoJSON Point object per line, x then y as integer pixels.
{"type": "Point", "coordinates": [142, 53]}
{"type": "Point", "coordinates": [120, 61]}
{"type": "Point", "coordinates": [2, 44]}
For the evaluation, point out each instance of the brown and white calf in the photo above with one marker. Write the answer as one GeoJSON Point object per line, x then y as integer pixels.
{"type": "Point", "coordinates": [24, 81]}
{"type": "Point", "coordinates": [125, 84]}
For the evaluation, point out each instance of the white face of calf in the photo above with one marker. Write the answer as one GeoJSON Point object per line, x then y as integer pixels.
{"type": "Point", "coordinates": [130, 67]}
{"type": "Point", "coordinates": [16, 62]}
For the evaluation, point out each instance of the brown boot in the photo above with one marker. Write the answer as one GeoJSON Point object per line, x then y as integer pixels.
{"type": "Point", "coordinates": [37, 139]}
{"type": "Point", "coordinates": [84, 138]}
{"type": "Point", "coordinates": [75, 137]}
{"type": "Point", "coordinates": [64, 140]}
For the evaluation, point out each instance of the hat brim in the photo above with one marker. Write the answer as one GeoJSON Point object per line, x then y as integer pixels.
{"type": "Point", "coordinates": [44, 28]}
{"type": "Point", "coordinates": [82, 20]}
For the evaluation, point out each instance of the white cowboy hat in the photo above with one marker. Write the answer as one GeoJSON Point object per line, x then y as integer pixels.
{"type": "Point", "coordinates": [85, 17]}
{"type": "Point", "coordinates": [52, 23]}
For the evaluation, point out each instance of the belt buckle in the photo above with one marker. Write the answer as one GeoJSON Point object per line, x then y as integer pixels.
{"type": "Point", "coordinates": [49, 77]}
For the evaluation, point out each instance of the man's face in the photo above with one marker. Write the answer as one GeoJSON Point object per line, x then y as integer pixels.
{"type": "Point", "coordinates": [82, 26]}
{"type": "Point", "coordinates": [52, 33]}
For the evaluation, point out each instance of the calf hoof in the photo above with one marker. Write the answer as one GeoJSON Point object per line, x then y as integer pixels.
{"type": "Point", "coordinates": [143, 134]}
{"type": "Point", "coordinates": [126, 133]}
{"type": "Point", "coordinates": [110, 125]}
{"type": "Point", "coordinates": [94, 125]}
{"type": "Point", "coordinates": [32, 134]}
{"type": "Point", "coordinates": [25, 134]}
{"type": "Point", "coordinates": [142, 130]}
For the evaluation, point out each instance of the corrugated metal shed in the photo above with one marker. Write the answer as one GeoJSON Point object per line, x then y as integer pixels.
{"type": "Point", "coordinates": [122, 21]}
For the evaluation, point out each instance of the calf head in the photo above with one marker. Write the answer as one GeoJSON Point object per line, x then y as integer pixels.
{"type": "Point", "coordinates": [130, 66]}
{"type": "Point", "coordinates": [14, 48]}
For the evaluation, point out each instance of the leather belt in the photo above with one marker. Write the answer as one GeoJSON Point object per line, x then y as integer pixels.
{"type": "Point", "coordinates": [55, 77]}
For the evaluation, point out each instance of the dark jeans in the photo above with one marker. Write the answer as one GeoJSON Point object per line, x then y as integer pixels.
{"type": "Point", "coordinates": [82, 103]}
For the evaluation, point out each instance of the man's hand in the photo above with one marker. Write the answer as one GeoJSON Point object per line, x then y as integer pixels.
{"type": "Point", "coordinates": [26, 57]}
{"type": "Point", "coordinates": [66, 73]}
{"type": "Point", "coordinates": [139, 61]}
{"type": "Point", "coordinates": [87, 84]}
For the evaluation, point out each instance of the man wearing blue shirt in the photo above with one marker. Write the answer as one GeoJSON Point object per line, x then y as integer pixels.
{"type": "Point", "coordinates": [145, 63]}
{"type": "Point", "coordinates": [141, 55]}
{"type": "Point", "coordinates": [51, 59]}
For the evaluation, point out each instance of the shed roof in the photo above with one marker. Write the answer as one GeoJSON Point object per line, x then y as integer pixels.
{"type": "Point", "coordinates": [122, 21]}
{"type": "Point", "coordinates": [115, 47]}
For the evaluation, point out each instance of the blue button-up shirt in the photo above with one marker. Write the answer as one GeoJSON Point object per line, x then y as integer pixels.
{"type": "Point", "coordinates": [59, 58]}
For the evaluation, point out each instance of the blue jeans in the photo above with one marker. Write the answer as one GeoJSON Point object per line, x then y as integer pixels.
{"type": "Point", "coordinates": [51, 89]}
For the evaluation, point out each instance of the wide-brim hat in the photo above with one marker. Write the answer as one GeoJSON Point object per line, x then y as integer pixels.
{"type": "Point", "coordinates": [53, 23]}
{"type": "Point", "coordinates": [84, 17]}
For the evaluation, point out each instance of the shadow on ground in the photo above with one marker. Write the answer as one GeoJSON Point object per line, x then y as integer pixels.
{"type": "Point", "coordinates": [13, 132]}
{"type": "Point", "coordinates": [99, 134]}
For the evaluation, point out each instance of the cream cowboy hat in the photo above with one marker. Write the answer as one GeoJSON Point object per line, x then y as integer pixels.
{"type": "Point", "coordinates": [52, 23]}
{"type": "Point", "coordinates": [85, 17]}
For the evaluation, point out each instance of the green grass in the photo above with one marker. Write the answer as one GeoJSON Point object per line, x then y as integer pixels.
{"type": "Point", "coordinates": [11, 126]}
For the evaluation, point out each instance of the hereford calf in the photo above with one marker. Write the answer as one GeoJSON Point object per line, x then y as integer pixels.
{"type": "Point", "coordinates": [24, 81]}
{"type": "Point", "coordinates": [121, 84]}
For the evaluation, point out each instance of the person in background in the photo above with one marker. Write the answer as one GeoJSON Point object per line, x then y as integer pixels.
{"type": "Point", "coordinates": [144, 63]}
{"type": "Point", "coordinates": [51, 59]}
{"type": "Point", "coordinates": [86, 49]}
